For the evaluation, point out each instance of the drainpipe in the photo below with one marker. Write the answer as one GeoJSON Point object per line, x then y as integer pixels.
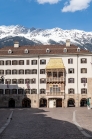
{"type": "Point", "coordinates": [77, 83]}
{"type": "Point", "coordinates": [38, 81]}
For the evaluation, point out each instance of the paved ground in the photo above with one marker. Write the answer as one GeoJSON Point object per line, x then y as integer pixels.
{"type": "Point", "coordinates": [45, 123]}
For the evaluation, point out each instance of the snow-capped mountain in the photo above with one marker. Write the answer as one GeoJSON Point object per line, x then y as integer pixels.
{"type": "Point", "coordinates": [32, 36]}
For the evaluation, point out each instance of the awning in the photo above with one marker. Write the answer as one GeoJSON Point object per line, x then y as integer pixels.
{"type": "Point", "coordinates": [55, 63]}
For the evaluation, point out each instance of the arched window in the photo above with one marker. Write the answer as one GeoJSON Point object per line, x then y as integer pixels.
{"type": "Point", "coordinates": [14, 81]}
{"type": "Point", "coordinates": [8, 62]}
{"type": "Point", "coordinates": [21, 62]}
{"type": "Point", "coordinates": [70, 61]}
{"type": "Point", "coordinates": [83, 91]}
{"type": "Point", "coordinates": [14, 71]}
{"type": "Point", "coordinates": [8, 71]}
{"type": "Point", "coordinates": [42, 91]}
{"type": "Point", "coordinates": [21, 81]}
{"type": "Point", "coordinates": [21, 71]}
{"type": "Point", "coordinates": [34, 71]}
{"type": "Point", "coordinates": [14, 62]}
{"type": "Point", "coordinates": [33, 91]}
{"type": "Point", "coordinates": [27, 71]}
{"type": "Point", "coordinates": [70, 91]}
{"type": "Point", "coordinates": [1, 62]}
{"type": "Point", "coordinates": [42, 61]}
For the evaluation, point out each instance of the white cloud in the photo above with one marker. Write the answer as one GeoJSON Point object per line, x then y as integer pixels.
{"type": "Point", "coordinates": [76, 5]}
{"type": "Point", "coordinates": [48, 1]}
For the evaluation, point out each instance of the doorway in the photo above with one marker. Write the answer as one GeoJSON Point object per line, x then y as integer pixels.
{"type": "Point", "coordinates": [11, 103]}
{"type": "Point", "coordinates": [26, 103]}
{"type": "Point", "coordinates": [43, 102]}
{"type": "Point", "coordinates": [71, 102]}
{"type": "Point", "coordinates": [59, 103]}
{"type": "Point", "coordinates": [83, 102]}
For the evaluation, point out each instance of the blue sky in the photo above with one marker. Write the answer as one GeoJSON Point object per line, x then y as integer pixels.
{"type": "Point", "coordinates": [47, 14]}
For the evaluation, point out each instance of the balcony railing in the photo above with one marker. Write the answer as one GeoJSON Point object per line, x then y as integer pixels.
{"type": "Point", "coordinates": [55, 79]}
{"type": "Point", "coordinates": [55, 93]}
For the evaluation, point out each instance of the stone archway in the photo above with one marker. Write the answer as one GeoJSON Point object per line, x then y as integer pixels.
{"type": "Point", "coordinates": [83, 102]}
{"type": "Point", "coordinates": [71, 102]}
{"type": "Point", "coordinates": [11, 103]}
{"type": "Point", "coordinates": [59, 102]}
{"type": "Point", "coordinates": [26, 103]}
{"type": "Point", "coordinates": [43, 102]}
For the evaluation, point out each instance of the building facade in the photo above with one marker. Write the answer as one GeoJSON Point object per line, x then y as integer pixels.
{"type": "Point", "coordinates": [45, 76]}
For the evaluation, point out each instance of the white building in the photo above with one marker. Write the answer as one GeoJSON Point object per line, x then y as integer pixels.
{"type": "Point", "coordinates": [45, 76]}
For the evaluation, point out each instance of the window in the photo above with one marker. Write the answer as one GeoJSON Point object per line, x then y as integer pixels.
{"type": "Point", "coordinates": [27, 81]}
{"type": "Point", "coordinates": [49, 74]}
{"type": "Point", "coordinates": [27, 62]}
{"type": "Point", "coordinates": [7, 91]}
{"type": "Point", "coordinates": [34, 62]}
{"type": "Point", "coordinates": [7, 81]}
{"type": "Point", "coordinates": [27, 71]}
{"type": "Point", "coordinates": [21, 81]}
{"type": "Point", "coordinates": [1, 91]}
{"type": "Point", "coordinates": [70, 61]}
{"type": "Point", "coordinates": [8, 62]}
{"type": "Point", "coordinates": [70, 80]}
{"type": "Point", "coordinates": [33, 91]}
{"type": "Point", "coordinates": [8, 71]}
{"type": "Point", "coordinates": [21, 62]}
{"type": "Point", "coordinates": [83, 91]}
{"type": "Point", "coordinates": [20, 91]}
{"type": "Point", "coordinates": [83, 60]}
{"type": "Point", "coordinates": [21, 71]}
{"type": "Point", "coordinates": [1, 62]}
{"type": "Point", "coordinates": [1, 72]}
{"type": "Point", "coordinates": [14, 71]}
{"type": "Point", "coordinates": [71, 70]}
{"type": "Point", "coordinates": [14, 81]}
{"type": "Point", "coordinates": [55, 89]}
{"type": "Point", "coordinates": [33, 81]}
{"type": "Point", "coordinates": [42, 91]}
{"type": "Point", "coordinates": [60, 74]}
{"type": "Point", "coordinates": [78, 49]}
{"type": "Point", "coordinates": [2, 80]}
{"type": "Point", "coordinates": [26, 51]}
{"type": "Point", "coordinates": [9, 51]}
{"type": "Point", "coordinates": [83, 70]}
{"type": "Point", "coordinates": [42, 71]}
{"type": "Point", "coordinates": [54, 74]}
{"type": "Point", "coordinates": [71, 91]}
{"type": "Point", "coordinates": [83, 80]}
{"type": "Point", "coordinates": [47, 50]}
{"type": "Point", "coordinates": [27, 91]}
{"type": "Point", "coordinates": [64, 50]}
{"type": "Point", "coordinates": [14, 62]}
{"type": "Point", "coordinates": [34, 71]}
{"type": "Point", "coordinates": [14, 91]}
{"type": "Point", "coordinates": [43, 61]}
{"type": "Point", "coordinates": [42, 80]}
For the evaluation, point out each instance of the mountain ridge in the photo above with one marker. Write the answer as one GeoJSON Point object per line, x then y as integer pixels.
{"type": "Point", "coordinates": [36, 36]}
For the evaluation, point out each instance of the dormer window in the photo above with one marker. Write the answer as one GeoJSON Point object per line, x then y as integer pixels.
{"type": "Point", "coordinates": [78, 49]}
{"type": "Point", "coordinates": [26, 51]}
{"type": "Point", "coordinates": [47, 50]}
{"type": "Point", "coordinates": [64, 50]}
{"type": "Point", "coordinates": [9, 51]}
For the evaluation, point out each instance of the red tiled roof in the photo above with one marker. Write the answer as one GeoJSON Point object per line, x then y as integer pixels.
{"type": "Point", "coordinates": [41, 50]}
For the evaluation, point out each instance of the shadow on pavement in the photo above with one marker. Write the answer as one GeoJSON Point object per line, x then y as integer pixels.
{"type": "Point", "coordinates": [34, 124]}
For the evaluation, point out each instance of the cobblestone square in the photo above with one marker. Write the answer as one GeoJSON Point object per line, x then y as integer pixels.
{"type": "Point", "coordinates": [45, 123]}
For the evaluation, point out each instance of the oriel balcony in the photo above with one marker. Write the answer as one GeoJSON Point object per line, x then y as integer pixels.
{"type": "Point", "coordinates": [55, 93]}
{"type": "Point", "coordinates": [55, 79]}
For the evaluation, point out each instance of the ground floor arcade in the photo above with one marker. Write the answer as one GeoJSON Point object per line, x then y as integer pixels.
{"type": "Point", "coordinates": [36, 101]}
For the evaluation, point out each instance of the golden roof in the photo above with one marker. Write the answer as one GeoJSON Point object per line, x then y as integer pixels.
{"type": "Point", "coordinates": [55, 63]}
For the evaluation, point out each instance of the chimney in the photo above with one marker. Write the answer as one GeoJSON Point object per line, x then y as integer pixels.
{"type": "Point", "coordinates": [16, 44]}
{"type": "Point", "coordinates": [68, 43]}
